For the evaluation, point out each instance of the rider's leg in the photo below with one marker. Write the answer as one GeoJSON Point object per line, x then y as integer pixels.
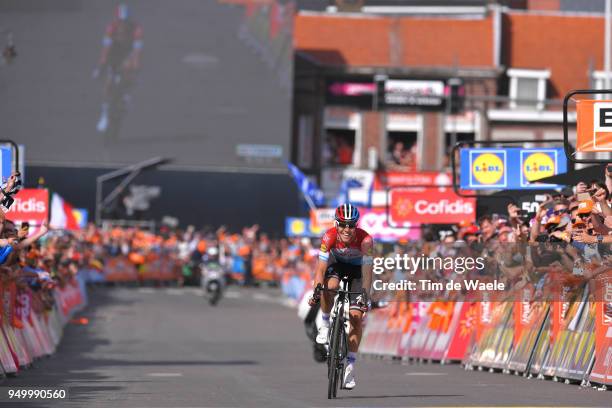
{"type": "Point", "coordinates": [103, 121]}
{"type": "Point", "coordinates": [355, 317]}
{"type": "Point", "coordinates": [327, 302]}
{"type": "Point", "coordinates": [354, 339]}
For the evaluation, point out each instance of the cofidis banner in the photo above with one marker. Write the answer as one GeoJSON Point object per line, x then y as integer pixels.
{"type": "Point", "coordinates": [511, 168]}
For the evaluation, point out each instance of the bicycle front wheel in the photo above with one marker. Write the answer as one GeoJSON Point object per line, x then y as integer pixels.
{"type": "Point", "coordinates": [334, 358]}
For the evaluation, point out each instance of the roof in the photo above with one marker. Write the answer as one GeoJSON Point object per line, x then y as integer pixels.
{"type": "Point", "coordinates": [358, 40]}
{"type": "Point", "coordinates": [568, 45]}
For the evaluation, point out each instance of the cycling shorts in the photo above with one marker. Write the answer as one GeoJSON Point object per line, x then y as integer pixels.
{"type": "Point", "coordinates": [339, 270]}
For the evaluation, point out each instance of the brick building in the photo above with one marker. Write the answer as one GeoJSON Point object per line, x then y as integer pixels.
{"type": "Point", "coordinates": [353, 71]}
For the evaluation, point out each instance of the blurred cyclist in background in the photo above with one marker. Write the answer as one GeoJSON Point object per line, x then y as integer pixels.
{"type": "Point", "coordinates": [351, 250]}
{"type": "Point", "coordinates": [120, 56]}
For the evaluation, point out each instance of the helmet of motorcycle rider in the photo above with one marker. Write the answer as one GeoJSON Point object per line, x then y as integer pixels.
{"type": "Point", "coordinates": [212, 251]}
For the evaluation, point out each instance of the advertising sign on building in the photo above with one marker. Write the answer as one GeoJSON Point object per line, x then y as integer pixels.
{"type": "Point", "coordinates": [350, 92]}
{"type": "Point", "coordinates": [594, 125]}
{"type": "Point", "coordinates": [509, 168]}
{"type": "Point", "coordinates": [415, 93]}
{"type": "Point", "coordinates": [429, 207]}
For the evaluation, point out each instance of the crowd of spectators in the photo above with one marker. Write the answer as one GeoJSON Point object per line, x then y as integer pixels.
{"type": "Point", "coordinates": [570, 233]}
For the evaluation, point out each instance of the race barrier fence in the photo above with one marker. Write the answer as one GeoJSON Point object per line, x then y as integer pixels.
{"type": "Point", "coordinates": [31, 325]}
{"type": "Point", "coordinates": [164, 267]}
{"type": "Point", "coordinates": [566, 339]}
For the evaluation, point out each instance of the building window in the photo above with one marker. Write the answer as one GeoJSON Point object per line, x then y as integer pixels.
{"type": "Point", "coordinates": [527, 88]}
{"type": "Point", "coordinates": [401, 150]}
{"type": "Point", "coordinates": [339, 147]}
{"type": "Point", "coordinates": [599, 81]}
{"type": "Point", "coordinates": [450, 139]}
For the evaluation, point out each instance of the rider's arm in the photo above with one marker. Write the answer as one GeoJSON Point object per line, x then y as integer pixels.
{"type": "Point", "coordinates": [107, 41]}
{"type": "Point", "coordinates": [323, 261]}
{"type": "Point", "coordinates": [137, 44]}
{"type": "Point", "coordinates": [366, 267]}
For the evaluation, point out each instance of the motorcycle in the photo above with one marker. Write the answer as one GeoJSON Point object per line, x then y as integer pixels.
{"type": "Point", "coordinates": [213, 282]}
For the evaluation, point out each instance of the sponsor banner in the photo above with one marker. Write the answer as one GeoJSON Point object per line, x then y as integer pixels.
{"type": "Point", "coordinates": [430, 207]}
{"type": "Point", "coordinates": [350, 92]}
{"type": "Point", "coordinates": [602, 370]}
{"type": "Point", "coordinates": [322, 219]}
{"type": "Point", "coordinates": [374, 221]}
{"type": "Point", "coordinates": [31, 205]}
{"type": "Point", "coordinates": [301, 227]}
{"type": "Point", "coordinates": [413, 93]}
{"type": "Point", "coordinates": [510, 168]}
{"type": "Point", "coordinates": [400, 179]}
{"type": "Point", "coordinates": [594, 126]}
{"type": "Point", "coordinates": [460, 341]}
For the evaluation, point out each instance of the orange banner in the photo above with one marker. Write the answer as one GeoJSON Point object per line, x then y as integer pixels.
{"type": "Point", "coordinates": [594, 125]}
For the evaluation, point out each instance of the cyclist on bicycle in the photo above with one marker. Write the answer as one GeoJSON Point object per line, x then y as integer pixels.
{"type": "Point", "coordinates": [120, 56]}
{"type": "Point", "coordinates": [351, 256]}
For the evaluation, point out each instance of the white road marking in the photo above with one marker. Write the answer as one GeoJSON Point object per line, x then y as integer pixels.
{"type": "Point", "coordinates": [146, 290]}
{"type": "Point", "coordinates": [165, 374]}
{"type": "Point", "coordinates": [426, 374]}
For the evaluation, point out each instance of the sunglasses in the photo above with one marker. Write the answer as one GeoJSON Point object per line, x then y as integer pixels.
{"type": "Point", "coordinates": [559, 212]}
{"type": "Point", "coordinates": [346, 225]}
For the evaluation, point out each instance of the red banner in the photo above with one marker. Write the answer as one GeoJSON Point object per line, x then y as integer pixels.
{"type": "Point", "coordinates": [399, 179]}
{"type": "Point", "coordinates": [460, 342]}
{"type": "Point", "coordinates": [430, 207]}
{"type": "Point", "coordinates": [31, 205]}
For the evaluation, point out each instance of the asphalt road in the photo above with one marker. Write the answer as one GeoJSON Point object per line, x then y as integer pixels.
{"type": "Point", "coordinates": [167, 348]}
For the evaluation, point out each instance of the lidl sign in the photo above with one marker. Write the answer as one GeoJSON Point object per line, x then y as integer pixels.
{"type": "Point", "coordinates": [509, 168]}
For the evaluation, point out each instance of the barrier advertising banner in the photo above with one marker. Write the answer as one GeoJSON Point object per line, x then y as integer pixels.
{"type": "Point", "coordinates": [429, 207]}
{"type": "Point", "coordinates": [509, 168]}
{"type": "Point", "coordinates": [602, 370]}
{"type": "Point", "coordinates": [31, 205]}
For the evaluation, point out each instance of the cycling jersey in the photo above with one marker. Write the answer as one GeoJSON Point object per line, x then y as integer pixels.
{"type": "Point", "coordinates": [120, 39]}
{"type": "Point", "coordinates": [357, 252]}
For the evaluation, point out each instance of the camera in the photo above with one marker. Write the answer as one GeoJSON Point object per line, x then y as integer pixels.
{"type": "Point", "coordinates": [8, 199]}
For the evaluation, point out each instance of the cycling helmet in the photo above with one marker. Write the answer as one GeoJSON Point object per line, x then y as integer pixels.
{"type": "Point", "coordinates": [347, 213]}
{"type": "Point", "coordinates": [122, 12]}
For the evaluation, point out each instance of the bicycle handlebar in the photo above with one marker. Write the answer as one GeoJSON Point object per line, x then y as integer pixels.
{"type": "Point", "coordinates": [321, 289]}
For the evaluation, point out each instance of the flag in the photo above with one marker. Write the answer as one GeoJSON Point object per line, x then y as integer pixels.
{"type": "Point", "coordinates": [343, 195]}
{"type": "Point", "coordinates": [62, 214]}
{"type": "Point", "coordinates": [80, 216]}
{"type": "Point", "coordinates": [309, 190]}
